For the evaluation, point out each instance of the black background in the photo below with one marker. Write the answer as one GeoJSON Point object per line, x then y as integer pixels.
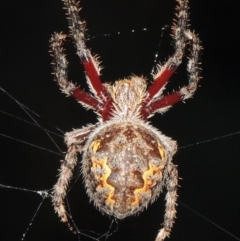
{"type": "Point", "coordinates": [210, 171]}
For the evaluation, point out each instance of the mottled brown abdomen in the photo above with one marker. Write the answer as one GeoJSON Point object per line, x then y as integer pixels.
{"type": "Point", "coordinates": [122, 168]}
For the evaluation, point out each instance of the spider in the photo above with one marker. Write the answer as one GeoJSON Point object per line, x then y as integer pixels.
{"type": "Point", "coordinates": [126, 162]}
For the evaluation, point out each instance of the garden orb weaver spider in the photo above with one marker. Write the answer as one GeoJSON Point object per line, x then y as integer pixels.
{"type": "Point", "coordinates": [126, 162]}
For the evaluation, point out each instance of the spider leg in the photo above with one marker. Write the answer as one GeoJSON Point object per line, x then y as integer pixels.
{"type": "Point", "coordinates": [181, 34]}
{"type": "Point", "coordinates": [60, 187]}
{"type": "Point", "coordinates": [75, 141]}
{"type": "Point", "coordinates": [91, 65]}
{"type": "Point", "coordinates": [171, 197]}
{"type": "Point", "coordinates": [185, 92]}
{"type": "Point", "coordinates": [60, 71]}
{"type": "Point", "coordinates": [102, 103]}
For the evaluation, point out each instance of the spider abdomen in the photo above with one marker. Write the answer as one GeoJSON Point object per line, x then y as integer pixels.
{"type": "Point", "coordinates": [123, 168]}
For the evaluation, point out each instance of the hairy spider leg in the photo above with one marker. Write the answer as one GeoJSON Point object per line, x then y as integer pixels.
{"type": "Point", "coordinates": [75, 141]}
{"type": "Point", "coordinates": [180, 35]}
{"type": "Point", "coordinates": [60, 71]}
{"type": "Point", "coordinates": [61, 186]}
{"type": "Point", "coordinates": [171, 198]}
{"type": "Point", "coordinates": [186, 91]}
{"type": "Point", "coordinates": [102, 103]}
{"type": "Point", "coordinates": [90, 63]}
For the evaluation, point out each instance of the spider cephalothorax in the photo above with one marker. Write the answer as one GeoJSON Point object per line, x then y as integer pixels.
{"type": "Point", "coordinates": [125, 161]}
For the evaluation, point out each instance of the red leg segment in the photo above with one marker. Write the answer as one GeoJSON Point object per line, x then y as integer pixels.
{"type": "Point", "coordinates": [92, 73]}
{"type": "Point", "coordinates": [165, 72]}
{"type": "Point", "coordinates": [164, 75]}
{"type": "Point", "coordinates": [161, 103]}
{"type": "Point", "coordinates": [102, 104]}
{"type": "Point", "coordinates": [77, 30]}
{"type": "Point", "coordinates": [161, 79]}
{"type": "Point", "coordinates": [181, 34]}
{"type": "Point", "coordinates": [87, 99]}
{"type": "Point", "coordinates": [60, 71]}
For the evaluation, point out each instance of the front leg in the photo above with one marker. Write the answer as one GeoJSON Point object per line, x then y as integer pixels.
{"type": "Point", "coordinates": [60, 71]}
{"type": "Point", "coordinates": [91, 65]}
{"type": "Point", "coordinates": [185, 92]}
{"type": "Point", "coordinates": [165, 72]}
{"type": "Point", "coordinates": [182, 36]}
{"type": "Point", "coordinates": [75, 141]}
